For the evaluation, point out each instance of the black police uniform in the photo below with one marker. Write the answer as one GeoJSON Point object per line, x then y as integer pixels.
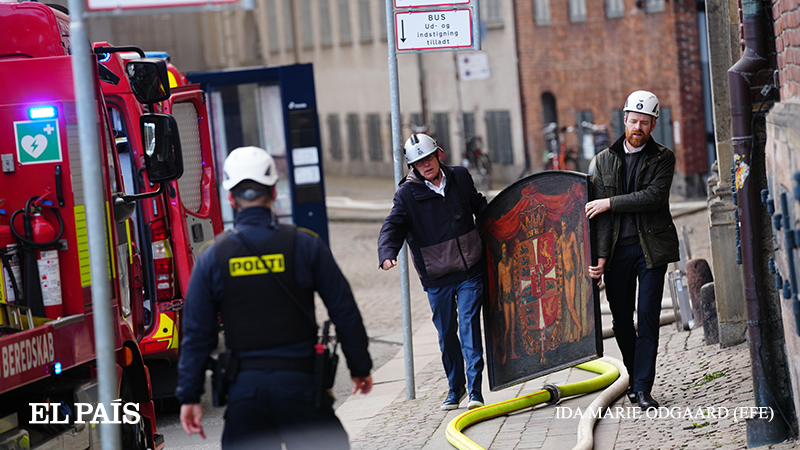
{"type": "Point", "coordinates": [271, 399]}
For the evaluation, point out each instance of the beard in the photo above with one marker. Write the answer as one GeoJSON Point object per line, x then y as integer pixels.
{"type": "Point", "coordinates": [636, 138]}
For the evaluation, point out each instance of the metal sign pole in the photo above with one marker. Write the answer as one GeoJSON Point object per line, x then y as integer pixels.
{"type": "Point", "coordinates": [86, 105]}
{"type": "Point", "coordinates": [399, 160]}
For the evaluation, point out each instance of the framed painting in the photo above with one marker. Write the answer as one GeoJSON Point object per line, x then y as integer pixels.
{"type": "Point", "coordinates": [541, 309]}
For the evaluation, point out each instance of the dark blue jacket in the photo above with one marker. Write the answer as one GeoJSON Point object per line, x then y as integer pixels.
{"type": "Point", "coordinates": [440, 230]}
{"type": "Point", "coordinates": [315, 268]}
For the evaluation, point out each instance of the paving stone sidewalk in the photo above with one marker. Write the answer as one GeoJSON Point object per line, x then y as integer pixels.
{"type": "Point", "coordinates": [690, 375]}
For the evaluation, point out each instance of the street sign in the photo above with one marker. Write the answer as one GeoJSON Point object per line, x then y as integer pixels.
{"type": "Point", "coordinates": [98, 5]}
{"type": "Point", "coordinates": [473, 66]}
{"type": "Point", "coordinates": [427, 3]}
{"type": "Point", "coordinates": [428, 30]}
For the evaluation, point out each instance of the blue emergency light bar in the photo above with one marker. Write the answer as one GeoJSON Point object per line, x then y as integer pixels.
{"type": "Point", "coordinates": [42, 112]}
{"type": "Point", "coordinates": [57, 368]}
{"type": "Point", "coordinates": [164, 55]}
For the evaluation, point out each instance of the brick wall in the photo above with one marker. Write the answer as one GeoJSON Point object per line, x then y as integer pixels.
{"type": "Point", "coordinates": [787, 46]}
{"type": "Point", "coordinates": [595, 65]}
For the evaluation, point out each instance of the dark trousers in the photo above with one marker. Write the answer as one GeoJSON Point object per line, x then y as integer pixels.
{"type": "Point", "coordinates": [270, 407]}
{"type": "Point", "coordinates": [621, 276]}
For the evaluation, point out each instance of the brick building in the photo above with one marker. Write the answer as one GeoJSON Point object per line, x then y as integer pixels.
{"type": "Point", "coordinates": [579, 60]}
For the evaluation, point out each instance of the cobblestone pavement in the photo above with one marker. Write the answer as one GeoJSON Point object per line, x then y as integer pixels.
{"type": "Point", "coordinates": [691, 379]}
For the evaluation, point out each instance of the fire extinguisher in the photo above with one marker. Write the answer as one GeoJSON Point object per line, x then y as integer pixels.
{"type": "Point", "coordinates": [41, 272]}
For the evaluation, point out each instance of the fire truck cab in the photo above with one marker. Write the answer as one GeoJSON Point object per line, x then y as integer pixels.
{"type": "Point", "coordinates": [47, 346]}
{"type": "Point", "coordinates": [171, 229]}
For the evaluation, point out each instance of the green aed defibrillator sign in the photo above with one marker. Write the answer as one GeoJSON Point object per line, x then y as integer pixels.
{"type": "Point", "coordinates": [38, 141]}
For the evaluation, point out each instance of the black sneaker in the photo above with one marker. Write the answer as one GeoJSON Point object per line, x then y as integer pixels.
{"type": "Point", "coordinates": [475, 401]}
{"type": "Point", "coordinates": [454, 397]}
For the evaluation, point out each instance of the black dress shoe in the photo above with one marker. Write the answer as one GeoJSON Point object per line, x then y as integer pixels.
{"type": "Point", "coordinates": [645, 401]}
{"type": "Point", "coordinates": [631, 395]}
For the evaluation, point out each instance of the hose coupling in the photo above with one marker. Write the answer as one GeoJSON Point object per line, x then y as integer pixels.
{"type": "Point", "coordinates": [555, 393]}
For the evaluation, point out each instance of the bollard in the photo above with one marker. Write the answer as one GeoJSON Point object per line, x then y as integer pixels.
{"type": "Point", "coordinates": [698, 273]}
{"type": "Point", "coordinates": [709, 309]}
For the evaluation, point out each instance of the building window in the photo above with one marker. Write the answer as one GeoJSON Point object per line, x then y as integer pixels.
{"type": "Point", "coordinates": [498, 127]}
{"type": "Point", "coordinates": [354, 137]}
{"type": "Point", "coordinates": [364, 20]}
{"type": "Point", "coordinates": [272, 26]}
{"type": "Point", "coordinates": [382, 19]}
{"type": "Point", "coordinates": [653, 6]}
{"type": "Point", "coordinates": [550, 122]}
{"type": "Point", "coordinates": [663, 132]}
{"type": "Point", "coordinates": [584, 122]}
{"type": "Point", "coordinates": [615, 8]}
{"type": "Point", "coordinates": [334, 137]}
{"type": "Point", "coordinates": [415, 121]}
{"type": "Point", "coordinates": [375, 148]}
{"type": "Point", "coordinates": [308, 27]}
{"type": "Point", "coordinates": [617, 124]}
{"type": "Point", "coordinates": [325, 22]}
{"type": "Point", "coordinates": [491, 13]}
{"type": "Point", "coordinates": [344, 22]}
{"type": "Point", "coordinates": [469, 124]}
{"type": "Point", "coordinates": [390, 139]}
{"type": "Point", "coordinates": [441, 128]}
{"type": "Point", "coordinates": [288, 24]}
{"type": "Point", "coordinates": [577, 10]}
{"type": "Point", "coordinates": [541, 12]}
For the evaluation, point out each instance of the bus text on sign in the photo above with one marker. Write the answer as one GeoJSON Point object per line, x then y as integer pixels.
{"type": "Point", "coordinates": [427, 30]}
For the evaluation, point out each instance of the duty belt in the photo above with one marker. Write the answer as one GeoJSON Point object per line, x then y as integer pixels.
{"type": "Point", "coordinates": [294, 365]}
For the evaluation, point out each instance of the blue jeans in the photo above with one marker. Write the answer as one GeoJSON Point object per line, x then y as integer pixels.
{"type": "Point", "coordinates": [639, 351]}
{"type": "Point", "coordinates": [267, 407]}
{"type": "Point", "coordinates": [458, 307]}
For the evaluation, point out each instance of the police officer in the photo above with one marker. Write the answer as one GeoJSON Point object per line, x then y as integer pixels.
{"type": "Point", "coordinates": [266, 300]}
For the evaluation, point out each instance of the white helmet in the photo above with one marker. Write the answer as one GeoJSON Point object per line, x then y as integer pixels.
{"type": "Point", "coordinates": [642, 102]}
{"type": "Point", "coordinates": [419, 146]}
{"type": "Point", "coordinates": [249, 163]}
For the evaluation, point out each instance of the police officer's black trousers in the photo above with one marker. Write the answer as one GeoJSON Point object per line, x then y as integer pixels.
{"type": "Point", "coordinates": [267, 407]}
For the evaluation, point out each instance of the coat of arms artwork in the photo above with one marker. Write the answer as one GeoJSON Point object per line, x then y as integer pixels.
{"type": "Point", "coordinates": [541, 309]}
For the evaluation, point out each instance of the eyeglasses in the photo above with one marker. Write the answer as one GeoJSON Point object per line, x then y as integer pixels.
{"type": "Point", "coordinates": [423, 161]}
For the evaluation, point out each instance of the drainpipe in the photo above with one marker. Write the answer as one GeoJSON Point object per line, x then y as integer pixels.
{"type": "Point", "coordinates": [759, 432]}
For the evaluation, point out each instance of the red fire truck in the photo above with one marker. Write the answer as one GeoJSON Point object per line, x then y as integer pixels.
{"type": "Point", "coordinates": [174, 227]}
{"type": "Point", "coordinates": [155, 226]}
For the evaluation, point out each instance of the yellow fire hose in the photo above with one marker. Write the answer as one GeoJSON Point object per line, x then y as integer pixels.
{"type": "Point", "coordinates": [609, 372]}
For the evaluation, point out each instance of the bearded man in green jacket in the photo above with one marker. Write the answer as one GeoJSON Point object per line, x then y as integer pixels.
{"type": "Point", "coordinates": [636, 237]}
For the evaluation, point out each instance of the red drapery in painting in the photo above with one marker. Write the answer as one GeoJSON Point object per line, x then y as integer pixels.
{"type": "Point", "coordinates": [507, 226]}
{"type": "Point", "coordinates": [557, 205]}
